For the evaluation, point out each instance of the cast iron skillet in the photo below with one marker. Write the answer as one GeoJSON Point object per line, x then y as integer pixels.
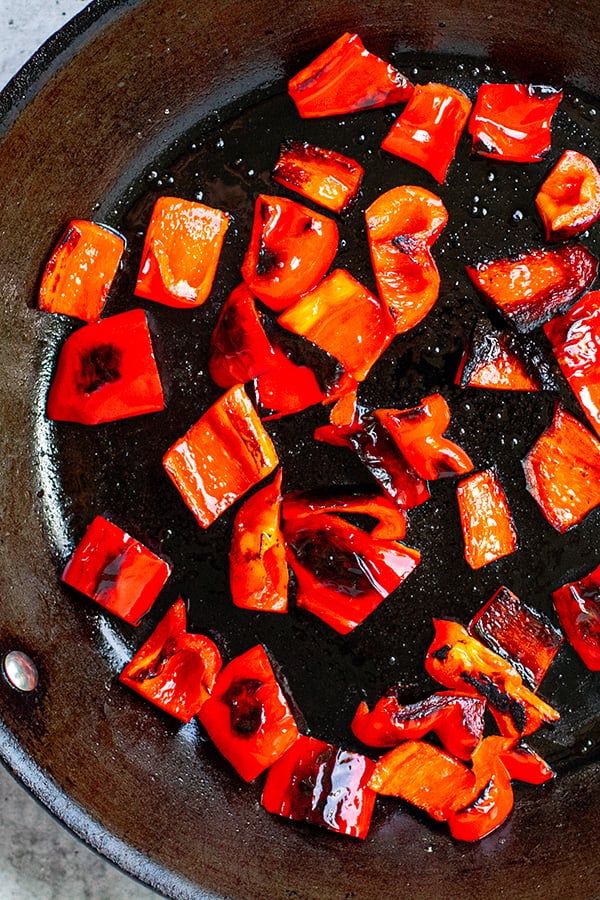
{"type": "Point", "coordinates": [123, 89]}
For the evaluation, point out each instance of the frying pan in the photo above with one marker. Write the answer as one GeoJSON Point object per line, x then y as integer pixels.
{"type": "Point", "coordinates": [137, 98]}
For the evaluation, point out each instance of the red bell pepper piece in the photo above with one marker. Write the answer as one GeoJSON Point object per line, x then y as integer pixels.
{"type": "Point", "coordinates": [344, 319]}
{"type": "Point", "coordinates": [181, 252]}
{"type": "Point", "coordinates": [575, 339]}
{"type": "Point", "coordinates": [487, 524]}
{"type": "Point", "coordinates": [221, 457]}
{"type": "Point", "coordinates": [115, 570]}
{"type": "Point", "coordinates": [342, 572]}
{"type": "Point", "coordinates": [346, 78]}
{"type": "Point", "coordinates": [81, 270]}
{"type": "Point", "coordinates": [173, 669]}
{"type": "Point", "coordinates": [324, 176]}
{"type": "Point", "coordinates": [520, 634]}
{"type": "Point", "coordinates": [562, 471]}
{"type": "Point", "coordinates": [322, 784]}
{"type": "Point", "coordinates": [247, 716]}
{"type": "Point", "coordinates": [418, 434]}
{"type": "Point", "coordinates": [577, 605]}
{"type": "Point", "coordinates": [524, 764]}
{"type": "Point", "coordinates": [460, 662]}
{"type": "Point", "coordinates": [258, 574]}
{"type": "Point", "coordinates": [286, 387]}
{"type": "Point", "coordinates": [569, 199]}
{"type": "Point", "coordinates": [290, 250]}
{"type": "Point", "coordinates": [402, 225]}
{"type": "Point", "coordinates": [534, 287]}
{"type": "Point", "coordinates": [482, 808]}
{"type": "Point", "coordinates": [391, 520]}
{"type": "Point", "coordinates": [239, 348]}
{"type": "Point", "coordinates": [428, 129]}
{"type": "Point", "coordinates": [106, 371]}
{"type": "Point", "coordinates": [512, 122]}
{"type": "Point", "coordinates": [456, 719]}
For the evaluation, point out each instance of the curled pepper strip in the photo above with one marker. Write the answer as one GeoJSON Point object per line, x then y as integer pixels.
{"type": "Point", "coordinates": [391, 520]}
{"type": "Point", "coordinates": [569, 199]}
{"type": "Point", "coordinates": [483, 807]}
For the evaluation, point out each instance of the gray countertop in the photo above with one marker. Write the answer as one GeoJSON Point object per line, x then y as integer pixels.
{"type": "Point", "coordinates": [38, 858]}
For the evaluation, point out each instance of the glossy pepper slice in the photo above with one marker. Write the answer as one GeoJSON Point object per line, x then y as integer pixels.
{"type": "Point", "coordinates": [456, 719]}
{"type": "Point", "coordinates": [181, 252]}
{"type": "Point", "coordinates": [247, 716]}
{"type": "Point", "coordinates": [343, 317]}
{"type": "Point", "coordinates": [116, 571]}
{"type": "Point", "coordinates": [482, 808]}
{"type": "Point", "coordinates": [569, 199]}
{"type": "Point", "coordinates": [512, 122]}
{"type": "Point", "coordinates": [418, 432]}
{"type": "Point", "coordinates": [258, 573]}
{"type": "Point", "coordinates": [534, 287]}
{"type": "Point", "coordinates": [322, 784]}
{"type": "Point", "coordinates": [342, 572]}
{"type": "Point", "coordinates": [221, 457]}
{"type": "Point", "coordinates": [460, 662]}
{"type": "Point", "coordinates": [402, 225]}
{"type": "Point", "coordinates": [524, 764]}
{"type": "Point", "coordinates": [575, 339]}
{"type": "Point", "coordinates": [522, 635]}
{"type": "Point", "coordinates": [346, 78]}
{"type": "Point", "coordinates": [486, 520]}
{"type": "Point", "coordinates": [577, 605]}
{"type": "Point", "coordinates": [428, 129]}
{"type": "Point", "coordinates": [391, 520]}
{"type": "Point", "coordinates": [106, 371]}
{"type": "Point", "coordinates": [562, 471]}
{"type": "Point", "coordinates": [291, 248]}
{"type": "Point", "coordinates": [239, 347]}
{"type": "Point", "coordinates": [286, 387]}
{"type": "Point", "coordinates": [173, 669]}
{"type": "Point", "coordinates": [324, 176]}
{"type": "Point", "coordinates": [81, 270]}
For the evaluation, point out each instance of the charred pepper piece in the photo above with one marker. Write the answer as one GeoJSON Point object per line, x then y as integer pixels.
{"type": "Point", "coordinates": [173, 669]}
{"type": "Point", "coordinates": [577, 605]}
{"type": "Point", "coordinates": [116, 571]}
{"type": "Point", "coordinates": [81, 270]}
{"type": "Point", "coordinates": [322, 784]}
{"type": "Point", "coordinates": [482, 808]}
{"type": "Point", "coordinates": [239, 347]}
{"type": "Point", "coordinates": [391, 520]}
{"type": "Point", "coordinates": [486, 520]}
{"type": "Point", "coordinates": [562, 471]}
{"type": "Point", "coordinates": [324, 176]}
{"type": "Point", "coordinates": [428, 129]}
{"type": "Point", "coordinates": [346, 78]}
{"type": "Point", "coordinates": [523, 764]}
{"type": "Point", "coordinates": [569, 199]}
{"type": "Point", "coordinates": [221, 457]}
{"type": "Point", "coordinates": [512, 122]}
{"type": "Point", "coordinates": [106, 371]}
{"type": "Point", "coordinates": [534, 287]}
{"type": "Point", "coordinates": [247, 716]}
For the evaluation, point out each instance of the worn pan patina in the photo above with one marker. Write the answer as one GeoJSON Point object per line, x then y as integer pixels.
{"type": "Point", "coordinates": [137, 99]}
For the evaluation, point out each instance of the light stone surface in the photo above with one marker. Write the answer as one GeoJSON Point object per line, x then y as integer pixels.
{"type": "Point", "coordinates": [39, 859]}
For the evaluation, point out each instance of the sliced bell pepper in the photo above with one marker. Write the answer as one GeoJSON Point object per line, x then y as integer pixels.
{"type": "Point", "coordinates": [286, 387]}
{"type": "Point", "coordinates": [173, 669]}
{"type": "Point", "coordinates": [534, 287]}
{"type": "Point", "coordinates": [562, 471]}
{"type": "Point", "coordinates": [402, 225]}
{"type": "Point", "coordinates": [247, 716]}
{"type": "Point", "coordinates": [322, 784]}
{"type": "Point", "coordinates": [81, 270]}
{"type": "Point", "coordinates": [524, 764]}
{"type": "Point", "coordinates": [577, 605]}
{"type": "Point", "coordinates": [428, 129]}
{"type": "Point", "coordinates": [418, 434]}
{"type": "Point", "coordinates": [575, 339]}
{"type": "Point", "coordinates": [456, 719]}
{"type": "Point", "coordinates": [106, 371]}
{"type": "Point", "coordinates": [324, 176]}
{"type": "Point", "coordinates": [221, 457]}
{"type": "Point", "coordinates": [181, 252]}
{"type": "Point", "coordinates": [258, 573]}
{"type": "Point", "coordinates": [344, 319]}
{"type": "Point", "coordinates": [291, 248]}
{"type": "Point", "coordinates": [239, 347]}
{"type": "Point", "coordinates": [460, 662]}
{"type": "Point", "coordinates": [569, 199]}
{"type": "Point", "coordinates": [512, 122]}
{"type": "Point", "coordinates": [486, 520]}
{"type": "Point", "coordinates": [391, 520]}
{"type": "Point", "coordinates": [116, 571]}
{"type": "Point", "coordinates": [482, 808]}
{"type": "Point", "coordinates": [342, 572]}
{"type": "Point", "coordinates": [346, 78]}
{"type": "Point", "coordinates": [520, 634]}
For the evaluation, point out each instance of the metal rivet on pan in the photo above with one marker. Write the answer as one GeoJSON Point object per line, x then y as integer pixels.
{"type": "Point", "coordinates": [20, 670]}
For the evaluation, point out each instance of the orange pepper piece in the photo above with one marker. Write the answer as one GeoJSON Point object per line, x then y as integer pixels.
{"type": "Point", "coordinates": [569, 199]}
{"type": "Point", "coordinates": [487, 524]}
{"type": "Point", "coordinates": [324, 176]}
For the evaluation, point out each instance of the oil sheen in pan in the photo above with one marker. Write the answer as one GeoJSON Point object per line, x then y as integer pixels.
{"type": "Point", "coordinates": [116, 469]}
